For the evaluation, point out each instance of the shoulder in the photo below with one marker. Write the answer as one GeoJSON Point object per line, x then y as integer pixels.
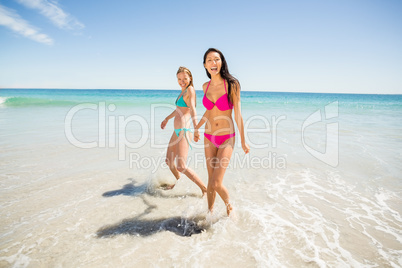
{"type": "Point", "coordinates": [204, 86]}
{"type": "Point", "coordinates": [190, 90]}
{"type": "Point", "coordinates": [235, 91]}
{"type": "Point", "coordinates": [235, 85]}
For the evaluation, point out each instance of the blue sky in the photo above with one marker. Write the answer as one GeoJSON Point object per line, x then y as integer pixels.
{"type": "Point", "coordinates": [342, 46]}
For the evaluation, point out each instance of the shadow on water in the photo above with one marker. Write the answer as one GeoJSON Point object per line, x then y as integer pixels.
{"type": "Point", "coordinates": [147, 227]}
{"type": "Point", "coordinates": [132, 189]}
{"type": "Point", "coordinates": [141, 227]}
{"type": "Point", "coordinates": [129, 190]}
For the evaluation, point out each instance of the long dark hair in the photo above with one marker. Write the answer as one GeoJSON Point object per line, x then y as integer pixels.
{"type": "Point", "coordinates": [224, 72]}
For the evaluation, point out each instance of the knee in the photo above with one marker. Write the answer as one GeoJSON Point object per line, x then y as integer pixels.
{"type": "Point", "coordinates": [169, 162]}
{"type": "Point", "coordinates": [181, 167]}
{"type": "Point", "coordinates": [215, 186]}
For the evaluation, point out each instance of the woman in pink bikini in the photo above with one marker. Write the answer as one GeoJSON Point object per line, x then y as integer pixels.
{"type": "Point", "coordinates": [221, 97]}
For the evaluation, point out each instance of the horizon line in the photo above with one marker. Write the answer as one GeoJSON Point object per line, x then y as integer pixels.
{"type": "Point", "coordinates": [165, 89]}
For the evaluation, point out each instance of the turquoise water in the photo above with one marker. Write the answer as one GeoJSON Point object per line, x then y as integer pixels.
{"type": "Point", "coordinates": [25, 97]}
{"type": "Point", "coordinates": [298, 202]}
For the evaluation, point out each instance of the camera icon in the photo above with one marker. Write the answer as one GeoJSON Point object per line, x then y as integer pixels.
{"type": "Point", "coordinates": [331, 154]}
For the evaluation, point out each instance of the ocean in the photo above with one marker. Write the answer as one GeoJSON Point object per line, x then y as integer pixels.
{"type": "Point", "coordinates": [81, 174]}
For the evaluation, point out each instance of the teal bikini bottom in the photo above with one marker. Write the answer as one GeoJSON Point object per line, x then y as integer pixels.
{"type": "Point", "coordinates": [178, 130]}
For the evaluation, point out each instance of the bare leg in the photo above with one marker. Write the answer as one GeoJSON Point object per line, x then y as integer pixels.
{"type": "Point", "coordinates": [181, 157]}
{"type": "Point", "coordinates": [210, 155]}
{"type": "Point", "coordinates": [215, 182]}
{"type": "Point", "coordinates": [170, 159]}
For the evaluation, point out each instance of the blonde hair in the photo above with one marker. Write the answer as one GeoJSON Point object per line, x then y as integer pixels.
{"type": "Point", "coordinates": [187, 71]}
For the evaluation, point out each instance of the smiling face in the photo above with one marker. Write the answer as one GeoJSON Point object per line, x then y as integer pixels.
{"type": "Point", "coordinates": [213, 63]}
{"type": "Point", "coordinates": [183, 79]}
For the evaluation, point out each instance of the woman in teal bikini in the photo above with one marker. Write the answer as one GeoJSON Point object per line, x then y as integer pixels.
{"type": "Point", "coordinates": [221, 98]}
{"type": "Point", "coordinates": [176, 156]}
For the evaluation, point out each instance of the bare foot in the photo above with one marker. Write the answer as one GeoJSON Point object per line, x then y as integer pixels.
{"type": "Point", "coordinates": [204, 192]}
{"type": "Point", "coordinates": [167, 186]}
{"type": "Point", "coordinates": [229, 208]}
{"type": "Point", "coordinates": [211, 211]}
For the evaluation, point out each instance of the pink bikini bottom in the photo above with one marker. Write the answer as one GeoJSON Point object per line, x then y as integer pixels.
{"type": "Point", "coordinates": [217, 140]}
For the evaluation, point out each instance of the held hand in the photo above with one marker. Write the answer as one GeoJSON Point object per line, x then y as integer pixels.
{"type": "Point", "coordinates": [246, 148]}
{"type": "Point", "coordinates": [196, 135]}
{"type": "Point", "coordinates": [163, 124]}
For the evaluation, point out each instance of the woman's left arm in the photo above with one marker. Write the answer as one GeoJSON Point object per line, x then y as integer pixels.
{"type": "Point", "coordinates": [239, 118]}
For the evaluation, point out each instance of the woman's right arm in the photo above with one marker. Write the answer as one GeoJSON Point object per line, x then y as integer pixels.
{"type": "Point", "coordinates": [165, 121]}
{"type": "Point", "coordinates": [203, 119]}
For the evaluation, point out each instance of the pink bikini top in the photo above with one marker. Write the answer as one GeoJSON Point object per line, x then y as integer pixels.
{"type": "Point", "coordinates": [222, 103]}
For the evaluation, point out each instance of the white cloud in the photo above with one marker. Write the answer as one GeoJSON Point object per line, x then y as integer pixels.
{"type": "Point", "coordinates": [9, 18]}
{"type": "Point", "coordinates": [52, 10]}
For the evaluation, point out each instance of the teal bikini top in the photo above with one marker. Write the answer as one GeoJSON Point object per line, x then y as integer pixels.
{"type": "Point", "coordinates": [180, 101]}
